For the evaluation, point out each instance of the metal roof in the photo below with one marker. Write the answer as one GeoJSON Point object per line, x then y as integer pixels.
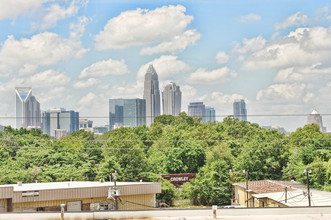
{"type": "Point", "coordinates": [67, 185]}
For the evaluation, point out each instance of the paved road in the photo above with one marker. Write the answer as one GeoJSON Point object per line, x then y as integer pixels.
{"type": "Point", "coordinates": [315, 213]}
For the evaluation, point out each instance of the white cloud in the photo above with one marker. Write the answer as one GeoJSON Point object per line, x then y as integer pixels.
{"type": "Point", "coordinates": [85, 83]}
{"type": "Point", "coordinates": [203, 76]}
{"type": "Point", "coordinates": [127, 90]}
{"type": "Point", "coordinates": [302, 47]}
{"type": "Point", "coordinates": [87, 100]}
{"type": "Point", "coordinates": [221, 102]}
{"type": "Point", "coordinates": [44, 49]}
{"type": "Point", "coordinates": [177, 43]}
{"type": "Point", "coordinates": [249, 18]}
{"type": "Point", "coordinates": [166, 25]}
{"type": "Point", "coordinates": [57, 94]}
{"type": "Point", "coordinates": [105, 68]}
{"type": "Point", "coordinates": [295, 20]}
{"type": "Point", "coordinates": [47, 79]}
{"type": "Point", "coordinates": [222, 57]}
{"type": "Point", "coordinates": [56, 12]}
{"type": "Point", "coordinates": [78, 28]}
{"type": "Point", "coordinates": [251, 45]}
{"type": "Point", "coordinates": [165, 66]}
{"type": "Point", "coordinates": [310, 74]}
{"type": "Point", "coordinates": [283, 93]}
{"type": "Point", "coordinates": [14, 8]}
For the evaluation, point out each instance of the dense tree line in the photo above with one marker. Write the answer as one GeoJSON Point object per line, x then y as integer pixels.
{"type": "Point", "coordinates": [171, 145]}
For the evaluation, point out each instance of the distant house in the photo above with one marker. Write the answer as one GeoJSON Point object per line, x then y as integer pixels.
{"type": "Point", "coordinates": [273, 193]}
{"type": "Point", "coordinates": [77, 196]}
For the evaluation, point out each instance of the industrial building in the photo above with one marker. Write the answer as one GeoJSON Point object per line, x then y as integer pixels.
{"type": "Point", "coordinates": [273, 193]}
{"type": "Point", "coordinates": [78, 196]}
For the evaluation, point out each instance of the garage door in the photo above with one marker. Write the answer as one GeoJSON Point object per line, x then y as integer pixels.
{"type": "Point", "coordinates": [74, 206]}
{"type": "Point", "coordinates": [3, 205]}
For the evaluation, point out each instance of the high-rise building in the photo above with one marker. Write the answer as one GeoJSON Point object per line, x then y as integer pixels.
{"type": "Point", "coordinates": [27, 108]}
{"type": "Point", "coordinates": [85, 124]}
{"type": "Point", "coordinates": [151, 95]}
{"type": "Point", "coordinates": [239, 110]}
{"type": "Point", "coordinates": [127, 113]}
{"type": "Point", "coordinates": [33, 113]}
{"type": "Point", "coordinates": [197, 109]}
{"type": "Point", "coordinates": [171, 99]}
{"type": "Point", "coordinates": [210, 114]}
{"type": "Point", "coordinates": [46, 122]}
{"type": "Point", "coordinates": [315, 118]}
{"type": "Point", "coordinates": [69, 121]}
{"type": "Point", "coordinates": [56, 119]}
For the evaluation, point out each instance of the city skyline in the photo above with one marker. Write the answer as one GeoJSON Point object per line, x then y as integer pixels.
{"type": "Point", "coordinates": [273, 54]}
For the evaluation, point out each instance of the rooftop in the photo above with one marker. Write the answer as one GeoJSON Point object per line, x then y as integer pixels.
{"type": "Point", "coordinates": [67, 185]}
{"type": "Point", "coordinates": [270, 186]}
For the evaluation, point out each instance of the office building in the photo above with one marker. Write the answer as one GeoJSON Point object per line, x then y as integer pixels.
{"type": "Point", "coordinates": [315, 118]}
{"type": "Point", "coordinates": [46, 122]}
{"type": "Point", "coordinates": [27, 108]}
{"type": "Point", "coordinates": [151, 95]}
{"type": "Point", "coordinates": [86, 125]}
{"type": "Point", "coordinates": [127, 113]}
{"type": "Point", "coordinates": [197, 109]}
{"type": "Point", "coordinates": [209, 114]}
{"type": "Point", "coordinates": [100, 129]}
{"type": "Point", "coordinates": [239, 110]}
{"type": "Point", "coordinates": [171, 99]}
{"type": "Point", "coordinates": [56, 119]}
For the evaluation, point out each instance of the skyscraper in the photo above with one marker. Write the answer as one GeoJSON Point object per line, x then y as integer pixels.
{"type": "Point", "coordinates": [127, 113]}
{"type": "Point", "coordinates": [60, 119]}
{"type": "Point", "coordinates": [209, 114]}
{"type": "Point", "coordinates": [171, 99]}
{"type": "Point", "coordinates": [27, 108]}
{"type": "Point", "coordinates": [239, 110]}
{"type": "Point", "coordinates": [151, 95]}
{"type": "Point", "coordinates": [197, 109]}
{"type": "Point", "coordinates": [315, 118]}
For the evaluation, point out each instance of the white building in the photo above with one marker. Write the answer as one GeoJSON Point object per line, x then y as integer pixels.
{"type": "Point", "coordinates": [315, 118]}
{"type": "Point", "coordinates": [171, 99]}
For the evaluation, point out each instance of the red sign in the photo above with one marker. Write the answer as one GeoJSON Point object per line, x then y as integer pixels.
{"type": "Point", "coordinates": [179, 179]}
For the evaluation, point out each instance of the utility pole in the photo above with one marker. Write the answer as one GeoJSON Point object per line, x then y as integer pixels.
{"type": "Point", "coordinates": [285, 194]}
{"type": "Point", "coordinates": [307, 171]}
{"type": "Point", "coordinates": [246, 172]}
{"type": "Point", "coordinates": [115, 188]}
{"type": "Point", "coordinates": [232, 171]}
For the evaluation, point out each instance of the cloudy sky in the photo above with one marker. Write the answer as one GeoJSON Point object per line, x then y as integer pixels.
{"type": "Point", "coordinates": [77, 54]}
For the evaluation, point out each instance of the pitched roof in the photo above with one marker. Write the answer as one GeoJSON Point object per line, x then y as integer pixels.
{"type": "Point", "coordinates": [270, 186]}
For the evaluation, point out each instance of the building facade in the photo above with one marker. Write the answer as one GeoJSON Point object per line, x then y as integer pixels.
{"type": "Point", "coordinates": [59, 119]}
{"type": "Point", "coordinates": [239, 110]}
{"type": "Point", "coordinates": [85, 124]}
{"type": "Point", "coordinates": [210, 114]}
{"type": "Point", "coordinates": [127, 113]}
{"type": "Point", "coordinates": [275, 193]}
{"type": "Point", "coordinates": [315, 118]}
{"type": "Point", "coordinates": [151, 95]}
{"type": "Point", "coordinates": [197, 109]}
{"type": "Point", "coordinates": [77, 196]}
{"type": "Point", "coordinates": [27, 109]}
{"type": "Point", "coordinates": [172, 99]}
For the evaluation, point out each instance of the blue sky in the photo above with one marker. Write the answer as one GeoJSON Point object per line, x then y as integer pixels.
{"type": "Point", "coordinates": [77, 54]}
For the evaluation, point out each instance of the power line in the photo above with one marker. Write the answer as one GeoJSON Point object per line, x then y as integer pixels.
{"type": "Point", "coordinates": [172, 140]}
{"type": "Point", "coordinates": [202, 116]}
{"type": "Point", "coordinates": [169, 148]}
